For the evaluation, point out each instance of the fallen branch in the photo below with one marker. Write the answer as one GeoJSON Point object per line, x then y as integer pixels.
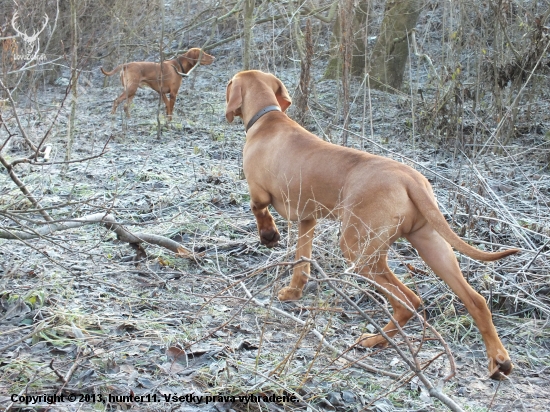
{"type": "Point", "coordinates": [106, 220]}
{"type": "Point", "coordinates": [38, 329]}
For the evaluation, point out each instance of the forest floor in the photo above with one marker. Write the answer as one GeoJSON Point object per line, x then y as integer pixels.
{"type": "Point", "coordinates": [81, 316]}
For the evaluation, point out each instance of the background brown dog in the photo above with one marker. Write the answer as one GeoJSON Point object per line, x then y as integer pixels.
{"type": "Point", "coordinates": [378, 200]}
{"type": "Point", "coordinates": [165, 81]}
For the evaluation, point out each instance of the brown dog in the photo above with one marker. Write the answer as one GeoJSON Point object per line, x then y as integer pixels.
{"type": "Point", "coordinates": [378, 200]}
{"type": "Point", "coordinates": [167, 80]}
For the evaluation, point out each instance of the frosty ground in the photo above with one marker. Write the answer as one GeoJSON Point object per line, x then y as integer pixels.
{"type": "Point", "coordinates": [169, 325]}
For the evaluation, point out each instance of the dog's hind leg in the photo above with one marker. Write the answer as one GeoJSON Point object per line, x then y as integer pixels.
{"type": "Point", "coordinates": [128, 95]}
{"type": "Point", "coordinates": [439, 255]}
{"type": "Point", "coordinates": [128, 103]}
{"type": "Point", "coordinates": [395, 292]}
{"type": "Point", "coordinates": [369, 253]}
{"type": "Point", "coordinates": [118, 100]}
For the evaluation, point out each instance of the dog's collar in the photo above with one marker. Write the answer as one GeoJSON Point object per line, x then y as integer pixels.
{"type": "Point", "coordinates": [181, 66]}
{"type": "Point", "coordinates": [260, 114]}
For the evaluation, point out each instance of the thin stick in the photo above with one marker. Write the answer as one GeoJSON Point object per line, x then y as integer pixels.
{"type": "Point", "coordinates": [27, 336]}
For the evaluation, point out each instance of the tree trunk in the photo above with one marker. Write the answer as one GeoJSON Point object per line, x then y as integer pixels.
{"type": "Point", "coordinates": [74, 84]}
{"type": "Point", "coordinates": [391, 51]}
{"type": "Point", "coordinates": [334, 67]}
{"type": "Point", "coordinates": [347, 44]}
{"type": "Point", "coordinates": [302, 94]}
{"type": "Point", "coordinates": [247, 37]}
{"type": "Point", "coordinates": [161, 60]}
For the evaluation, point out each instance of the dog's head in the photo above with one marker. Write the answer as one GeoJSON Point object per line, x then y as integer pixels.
{"type": "Point", "coordinates": [195, 54]}
{"type": "Point", "coordinates": [256, 81]}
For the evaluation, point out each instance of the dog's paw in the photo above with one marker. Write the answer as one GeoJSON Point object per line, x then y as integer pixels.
{"type": "Point", "coordinates": [269, 237]}
{"type": "Point", "coordinates": [288, 293]}
{"type": "Point", "coordinates": [369, 340]}
{"type": "Point", "coordinates": [499, 369]}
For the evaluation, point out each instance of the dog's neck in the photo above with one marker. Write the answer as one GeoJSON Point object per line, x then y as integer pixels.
{"type": "Point", "coordinates": [257, 116]}
{"type": "Point", "coordinates": [179, 64]}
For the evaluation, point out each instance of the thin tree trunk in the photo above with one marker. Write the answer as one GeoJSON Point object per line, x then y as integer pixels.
{"type": "Point", "coordinates": [161, 58]}
{"type": "Point", "coordinates": [346, 48]}
{"type": "Point", "coordinates": [74, 84]}
{"type": "Point", "coordinates": [360, 16]}
{"type": "Point", "coordinates": [302, 98]}
{"type": "Point", "coordinates": [247, 37]}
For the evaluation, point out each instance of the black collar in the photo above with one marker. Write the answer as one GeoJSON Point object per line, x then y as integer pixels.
{"type": "Point", "coordinates": [179, 63]}
{"type": "Point", "coordinates": [260, 114]}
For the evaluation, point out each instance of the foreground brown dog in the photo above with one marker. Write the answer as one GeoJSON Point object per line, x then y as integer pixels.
{"type": "Point", "coordinates": [377, 200]}
{"type": "Point", "coordinates": [139, 74]}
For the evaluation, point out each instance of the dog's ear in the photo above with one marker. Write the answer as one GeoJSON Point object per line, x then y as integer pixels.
{"type": "Point", "coordinates": [282, 96]}
{"type": "Point", "coordinates": [233, 99]}
{"type": "Point", "coordinates": [192, 54]}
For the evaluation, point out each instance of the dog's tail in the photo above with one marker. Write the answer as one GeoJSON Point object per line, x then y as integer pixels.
{"type": "Point", "coordinates": [115, 70]}
{"type": "Point", "coordinates": [427, 206]}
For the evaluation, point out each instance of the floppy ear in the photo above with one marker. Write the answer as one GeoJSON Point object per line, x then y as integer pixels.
{"type": "Point", "coordinates": [234, 100]}
{"type": "Point", "coordinates": [282, 96]}
{"type": "Point", "coordinates": [192, 54]}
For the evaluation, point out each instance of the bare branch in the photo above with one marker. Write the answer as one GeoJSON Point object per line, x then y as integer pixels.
{"type": "Point", "coordinates": [24, 189]}
{"type": "Point", "coordinates": [21, 128]}
{"type": "Point", "coordinates": [109, 222]}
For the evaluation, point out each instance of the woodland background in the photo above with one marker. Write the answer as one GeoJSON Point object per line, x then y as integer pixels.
{"type": "Point", "coordinates": [129, 258]}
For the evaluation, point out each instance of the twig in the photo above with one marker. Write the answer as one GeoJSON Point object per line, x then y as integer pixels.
{"type": "Point", "coordinates": [511, 106]}
{"type": "Point", "coordinates": [61, 378]}
{"type": "Point", "coordinates": [527, 266]}
{"type": "Point", "coordinates": [422, 55]}
{"type": "Point", "coordinates": [25, 337]}
{"type": "Point", "coordinates": [269, 378]}
{"type": "Point", "coordinates": [414, 312]}
{"type": "Point", "coordinates": [21, 128]}
{"type": "Point", "coordinates": [24, 189]}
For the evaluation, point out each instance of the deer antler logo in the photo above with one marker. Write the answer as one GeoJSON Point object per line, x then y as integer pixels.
{"type": "Point", "coordinates": [30, 41]}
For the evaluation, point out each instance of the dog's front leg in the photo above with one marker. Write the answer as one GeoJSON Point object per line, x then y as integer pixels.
{"type": "Point", "coordinates": [170, 105]}
{"type": "Point", "coordinates": [269, 235]}
{"type": "Point", "coordinates": [166, 101]}
{"type": "Point", "coordinates": [300, 273]}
